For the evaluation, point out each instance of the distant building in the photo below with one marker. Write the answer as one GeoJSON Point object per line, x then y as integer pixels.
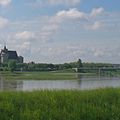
{"type": "Point", "coordinates": [7, 55]}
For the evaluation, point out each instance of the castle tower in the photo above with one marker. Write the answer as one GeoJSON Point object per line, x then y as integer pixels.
{"type": "Point", "coordinates": [4, 55]}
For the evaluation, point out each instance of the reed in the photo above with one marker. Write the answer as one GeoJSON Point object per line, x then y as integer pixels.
{"type": "Point", "coordinates": [100, 104]}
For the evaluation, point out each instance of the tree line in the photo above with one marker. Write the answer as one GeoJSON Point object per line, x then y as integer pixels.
{"type": "Point", "coordinates": [14, 66]}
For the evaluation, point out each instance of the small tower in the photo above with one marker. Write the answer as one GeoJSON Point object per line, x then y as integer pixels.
{"type": "Point", "coordinates": [4, 55]}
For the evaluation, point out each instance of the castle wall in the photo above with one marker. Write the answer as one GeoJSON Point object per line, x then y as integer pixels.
{"type": "Point", "coordinates": [4, 58]}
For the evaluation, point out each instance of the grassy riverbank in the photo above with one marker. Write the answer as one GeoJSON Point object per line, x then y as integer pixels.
{"type": "Point", "coordinates": [56, 75]}
{"type": "Point", "coordinates": [102, 104]}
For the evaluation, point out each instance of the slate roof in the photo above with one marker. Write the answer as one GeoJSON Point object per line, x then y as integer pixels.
{"type": "Point", "coordinates": [12, 55]}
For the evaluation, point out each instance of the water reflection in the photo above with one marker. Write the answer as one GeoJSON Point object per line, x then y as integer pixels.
{"type": "Point", "coordinates": [10, 85]}
{"type": "Point", "coordinates": [100, 82]}
{"type": "Point", "coordinates": [81, 84]}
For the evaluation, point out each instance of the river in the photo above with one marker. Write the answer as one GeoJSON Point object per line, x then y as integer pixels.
{"type": "Point", "coordinates": [84, 83]}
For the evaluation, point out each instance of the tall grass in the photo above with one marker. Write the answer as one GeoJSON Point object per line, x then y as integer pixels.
{"type": "Point", "coordinates": [102, 104]}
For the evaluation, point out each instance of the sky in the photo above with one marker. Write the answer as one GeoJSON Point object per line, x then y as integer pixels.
{"type": "Point", "coordinates": [59, 31]}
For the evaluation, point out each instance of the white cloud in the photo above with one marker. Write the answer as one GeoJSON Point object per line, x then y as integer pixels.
{"type": "Point", "coordinates": [60, 53]}
{"type": "Point", "coordinates": [46, 27]}
{"type": "Point", "coordinates": [99, 53]}
{"type": "Point", "coordinates": [53, 25]}
{"type": "Point", "coordinates": [25, 35]}
{"type": "Point", "coordinates": [72, 14]}
{"type": "Point", "coordinates": [103, 52]}
{"type": "Point", "coordinates": [97, 11]}
{"type": "Point", "coordinates": [3, 22]}
{"type": "Point", "coordinates": [43, 3]}
{"type": "Point", "coordinates": [66, 2]}
{"type": "Point", "coordinates": [97, 25]}
{"type": "Point", "coordinates": [49, 29]}
{"type": "Point", "coordinates": [5, 2]}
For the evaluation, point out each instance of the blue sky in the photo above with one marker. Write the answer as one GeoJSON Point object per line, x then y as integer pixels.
{"type": "Point", "coordinates": [58, 31]}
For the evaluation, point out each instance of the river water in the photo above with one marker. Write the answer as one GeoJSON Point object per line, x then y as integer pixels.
{"type": "Point", "coordinates": [84, 83]}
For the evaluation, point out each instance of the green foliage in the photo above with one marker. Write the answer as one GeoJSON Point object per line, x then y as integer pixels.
{"type": "Point", "coordinates": [103, 104]}
{"type": "Point", "coordinates": [97, 65]}
{"type": "Point", "coordinates": [12, 65]}
{"type": "Point", "coordinates": [5, 68]}
{"type": "Point", "coordinates": [92, 68]}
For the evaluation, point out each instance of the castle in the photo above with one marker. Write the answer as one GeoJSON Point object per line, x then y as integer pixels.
{"type": "Point", "coordinates": [7, 55]}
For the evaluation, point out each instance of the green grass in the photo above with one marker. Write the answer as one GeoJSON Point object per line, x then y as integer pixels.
{"type": "Point", "coordinates": [101, 104]}
{"type": "Point", "coordinates": [38, 76]}
{"type": "Point", "coordinates": [52, 75]}
{"type": "Point", "coordinates": [65, 71]}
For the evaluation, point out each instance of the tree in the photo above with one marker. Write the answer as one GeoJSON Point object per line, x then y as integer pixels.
{"type": "Point", "coordinates": [67, 66]}
{"type": "Point", "coordinates": [79, 65]}
{"type": "Point", "coordinates": [12, 65]}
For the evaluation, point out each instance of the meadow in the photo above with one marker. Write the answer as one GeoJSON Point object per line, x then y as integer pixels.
{"type": "Point", "coordinates": [49, 75]}
{"type": "Point", "coordinates": [100, 104]}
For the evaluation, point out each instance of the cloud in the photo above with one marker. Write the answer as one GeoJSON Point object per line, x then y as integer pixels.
{"type": "Point", "coordinates": [25, 35]}
{"type": "Point", "coordinates": [60, 53]}
{"type": "Point", "coordinates": [5, 2]}
{"type": "Point", "coordinates": [103, 52]}
{"type": "Point", "coordinates": [54, 23]}
{"type": "Point", "coordinates": [97, 11]}
{"type": "Point", "coordinates": [95, 26]}
{"type": "Point", "coordinates": [67, 42]}
{"type": "Point", "coordinates": [99, 53]}
{"type": "Point", "coordinates": [65, 2]}
{"type": "Point", "coordinates": [43, 3]}
{"type": "Point", "coordinates": [3, 22]}
{"type": "Point", "coordinates": [72, 14]}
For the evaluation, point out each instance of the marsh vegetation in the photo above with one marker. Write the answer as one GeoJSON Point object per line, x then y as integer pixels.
{"type": "Point", "coordinates": [100, 104]}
